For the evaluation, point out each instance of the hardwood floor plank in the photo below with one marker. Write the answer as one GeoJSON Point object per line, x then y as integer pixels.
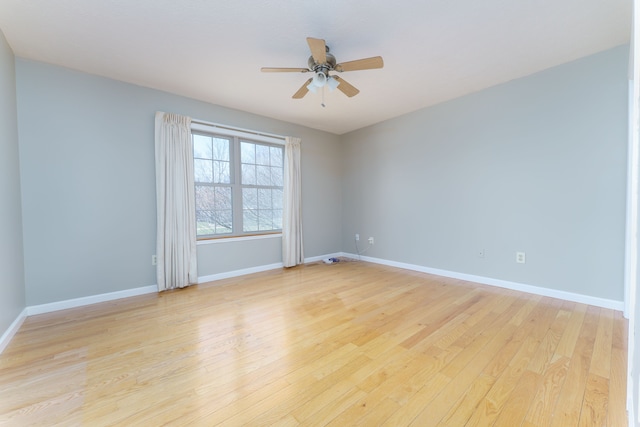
{"type": "Point", "coordinates": [467, 403]}
{"type": "Point", "coordinates": [466, 348]}
{"type": "Point", "coordinates": [594, 406]}
{"type": "Point", "coordinates": [515, 409]}
{"type": "Point", "coordinates": [509, 364]}
{"type": "Point", "coordinates": [601, 360]}
{"type": "Point", "coordinates": [569, 404]}
{"type": "Point", "coordinates": [461, 382]}
{"type": "Point", "coordinates": [549, 343]}
{"type": "Point", "coordinates": [408, 412]}
{"type": "Point", "coordinates": [616, 411]}
{"type": "Point", "coordinates": [546, 395]}
{"type": "Point", "coordinates": [326, 414]}
{"type": "Point", "coordinates": [569, 338]}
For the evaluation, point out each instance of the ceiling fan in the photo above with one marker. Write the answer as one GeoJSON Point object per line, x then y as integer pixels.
{"type": "Point", "coordinates": [321, 62]}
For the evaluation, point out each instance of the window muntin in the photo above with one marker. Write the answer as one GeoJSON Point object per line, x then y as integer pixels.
{"type": "Point", "coordinates": [238, 185]}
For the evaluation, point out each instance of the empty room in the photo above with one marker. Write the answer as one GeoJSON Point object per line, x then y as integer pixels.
{"type": "Point", "coordinates": [319, 214]}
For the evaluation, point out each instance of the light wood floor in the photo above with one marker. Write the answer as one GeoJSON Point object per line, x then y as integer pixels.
{"type": "Point", "coordinates": [344, 344]}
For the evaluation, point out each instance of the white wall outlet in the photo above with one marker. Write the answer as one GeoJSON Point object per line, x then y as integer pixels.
{"type": "Point", "coordinates": [521, 257]}
{"type": "Point", "coordinates": [371, 240]}
{"type": "Point", "coordinates": [154, 259]}
{"type": "Point", "coordinates": [357, 237]}
{"type": "Point", "coordinates": [481, 253]}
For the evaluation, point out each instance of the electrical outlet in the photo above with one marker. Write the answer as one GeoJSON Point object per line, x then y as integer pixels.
{"type": "Point", "coordinates": [521, 257]}
{"type": "Point", "coordinates": [371, 240]}
{"type": "Point", "coordinates": [481, 253]}
{"type": "Point", "coordinates": [154, 259]}
{"type": "Point", "coordinates": [357, 237]}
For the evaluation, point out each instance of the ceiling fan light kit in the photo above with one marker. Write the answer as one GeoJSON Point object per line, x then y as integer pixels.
{"type": "Point", "coordinates": [321, 80]}
{"type": "Point", "coordinates": [332, 83]}
{"type": "Point", "coordinates": [321, 62]}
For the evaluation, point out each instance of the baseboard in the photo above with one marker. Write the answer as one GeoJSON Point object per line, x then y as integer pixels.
{"type": "Point", "coordinates": [93, 299]}
{"type": "Point", "coordinates": [258, 269]}
{"type": "Point", "coordinates": [536, 290]}
{"type": "Point", "coordinates": [241, 272]}
{"type": "Point", "coordinates": [320, 258]}
{"type": "Point", "coordinates": [11, 331]}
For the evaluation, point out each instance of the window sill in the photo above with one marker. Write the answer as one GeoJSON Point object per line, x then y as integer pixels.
{"type": "Point", "coordinates": [238, 239]}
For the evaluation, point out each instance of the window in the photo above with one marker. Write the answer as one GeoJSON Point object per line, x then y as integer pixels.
{"type": "Point", "coordinates": [238, 184]}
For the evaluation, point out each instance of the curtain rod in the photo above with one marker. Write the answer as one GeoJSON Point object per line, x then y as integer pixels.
{"type": "Point", "coordinates": [202, 122]}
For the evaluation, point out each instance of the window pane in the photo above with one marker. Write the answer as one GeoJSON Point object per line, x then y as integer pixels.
{"type": "Point", "coordinates": [204, 197]}
{"type": "Point", "coordinates": [221, 149]}
{"type": "Point", "coordinates": [276, 197]}
{"type": "Point", "coordinates": [204, 223]}
{"type": "Point", "coordinates": [248, 174]}
{"type": "Point", "coordinates": [264, 199]}
{"type": "Point", "coordinates": [262, 155]}
{"type": "Point", "coordinates": [276, 176]}
{"type": "Point", "coordinates": [224, 223]}
{"type": "Point", "coordinates": [250, 220]}
{"type": "Point", "coordinates": [263, 175]}
{"type": "Point", "coordinates": [249, 198]}
{"type": "Point", "coordinates": [201, 147]}
{"type": "Point", "coordinates": [248, 152]}
{"type": "Point", "coordinates": [223, 198]}
{"type": "Point", "coordinates": [213, 210]}
{"type": "Point", "coordinates": [265, 220]}
{"type": "Point", "coordinates": [221, 173]}
{"type": "Point", "coordinates": [202, 170]}
{"type": "Point", "coordinates": [203, 216]}
{"type": "Point", "coordinates": [277, 219]}
{"type": "Point", "coordinates": [276, 156]}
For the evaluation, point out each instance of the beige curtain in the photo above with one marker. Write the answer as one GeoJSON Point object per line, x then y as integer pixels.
{"type": "Point", "coordinates": [292, 245]}
{"type": "Point", "coordinates": [175, 199]}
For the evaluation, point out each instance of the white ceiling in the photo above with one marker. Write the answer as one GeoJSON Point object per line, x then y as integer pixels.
{"type": "Point", "coordinates": [434, 50]}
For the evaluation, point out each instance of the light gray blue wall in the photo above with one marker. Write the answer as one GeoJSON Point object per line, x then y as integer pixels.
{"type": "Point", "coordinates": [12, 287]}
{"type": "Point", "coordinates": [88, 184]}
{"type": "Point", "coordinates": [535, 165]}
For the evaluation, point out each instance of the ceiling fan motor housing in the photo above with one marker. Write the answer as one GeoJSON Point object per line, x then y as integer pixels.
{"type": "Point", "coordinates": [327, 66]}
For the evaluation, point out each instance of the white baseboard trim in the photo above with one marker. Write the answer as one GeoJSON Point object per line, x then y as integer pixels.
{"type": "Point", "coordinates": [11, 331]}
{"type": "Point", "coordinates": [241, 272]}
{"type": "Point", "coordinates": [93, 299]}
{"type": "Point", "coordinates": [536, 290]}
{"type": "Point", "coordinates": [259, 269]}
{"type": "Point", "coordinates": [320, 258]}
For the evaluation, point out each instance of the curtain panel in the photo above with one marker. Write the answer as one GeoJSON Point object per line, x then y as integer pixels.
{"type": "Point", "coordinates": [292, 242]}
{"type": "Point", "coordinates": [175, 199]}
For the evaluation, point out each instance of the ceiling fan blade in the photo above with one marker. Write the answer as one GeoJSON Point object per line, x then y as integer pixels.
{"type": "Point", "coordinates": [318, 50]}
{"type": "Point", "coordinates": [360, 64]}
{"type": "Point", "coordinates": [284, 70]}
{"type": "Point", "coordinates": [302, 91]}
{"type": "Point", "coordinates": [346, 88]}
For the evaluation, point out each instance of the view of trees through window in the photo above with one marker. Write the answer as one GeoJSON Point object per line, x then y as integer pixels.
{"type": "Point", "coordinates": [238, 185]}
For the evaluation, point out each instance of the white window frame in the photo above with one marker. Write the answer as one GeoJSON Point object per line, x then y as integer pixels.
{"type": "Point", "coordinates": [237, 136]}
